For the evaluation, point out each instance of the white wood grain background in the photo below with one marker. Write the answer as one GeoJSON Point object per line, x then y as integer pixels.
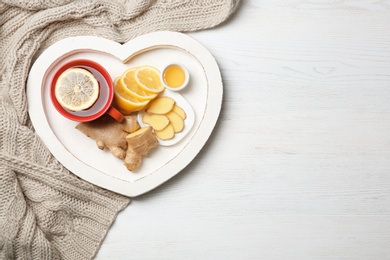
{"type": "Point", "coordinates": [298, 166]}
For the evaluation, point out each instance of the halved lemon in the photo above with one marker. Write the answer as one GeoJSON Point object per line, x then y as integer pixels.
{"type": "Point", "coordinates": [128, 81]}
{"type": "Point", "coordinates": [148, 78]}
{"type": "Point", "coordinates": [127, 103]}
{"type": "Point", "coordinates": [76, 89]}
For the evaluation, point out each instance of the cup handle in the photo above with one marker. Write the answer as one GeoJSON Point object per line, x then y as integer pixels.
{"type": "Point", "coordinates": [114, 113]}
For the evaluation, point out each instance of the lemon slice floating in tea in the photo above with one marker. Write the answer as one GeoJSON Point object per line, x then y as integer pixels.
{"type": "Point", "coordinates": [76, 89]}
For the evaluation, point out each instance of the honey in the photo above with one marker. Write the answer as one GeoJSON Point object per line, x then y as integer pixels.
{"type": "Point", "coordinates": [174, 76]}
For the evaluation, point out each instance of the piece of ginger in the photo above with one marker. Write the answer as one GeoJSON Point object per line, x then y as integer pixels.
{"type": "Point", "coordinates": [167, 133]}
{"type": "Point", "coordinates": [180, 111]}
{"type": "Point", "coordinates": [161, 105]}
{"type": "Point", "coordinates": [139, 143]}
{"type": "Point", "coordinates": [109, 133]}
{"type": "Point", "coordinates": [157, 122]}
{"type": "Point", "coordinates": [176, 121]}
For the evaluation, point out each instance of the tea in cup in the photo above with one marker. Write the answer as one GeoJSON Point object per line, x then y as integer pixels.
{"type": "Point", "coordinates": [82, 90]}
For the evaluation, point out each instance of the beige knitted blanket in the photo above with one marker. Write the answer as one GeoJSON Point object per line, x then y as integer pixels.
{"type": "Point", "coordinates": [46, 212]}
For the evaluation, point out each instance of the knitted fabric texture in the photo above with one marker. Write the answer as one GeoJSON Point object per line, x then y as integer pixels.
{"type": "Point", "coordinates": [46, 212]}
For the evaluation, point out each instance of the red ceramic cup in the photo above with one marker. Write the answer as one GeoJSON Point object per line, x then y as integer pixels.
{"type": "Point", "coordinates": [103, 104]}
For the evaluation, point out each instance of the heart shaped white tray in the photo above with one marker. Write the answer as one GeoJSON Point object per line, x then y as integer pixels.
{"type": "Point", "coordinates": [79, 153]}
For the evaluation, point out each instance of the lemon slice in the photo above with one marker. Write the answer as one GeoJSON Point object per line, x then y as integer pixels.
{"type": "Point", "coordinates": [148, 78]}
{"type": "Point", "coordinates": [125, 102]}
{"type": "Point", "coordinates": [128, 81]}
{"type": "Point", "coordinates": [76, 89]}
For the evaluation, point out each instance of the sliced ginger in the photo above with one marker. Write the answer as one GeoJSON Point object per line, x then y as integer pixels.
{"type": "Point", "coordinates": [165, 117]}
{"type": "Point", "coordinates": [176, 121]}
{"type": "Point", "coordinates": [160, 106]}
{"type": "Point", "coordinates": [166, 134]}
{"type": "Point", "coordinates": [156, 121]}
{"type": "Point", "coordinates": [178, 110]}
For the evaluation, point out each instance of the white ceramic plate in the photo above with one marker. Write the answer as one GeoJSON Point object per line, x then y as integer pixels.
{"type": "Point", "coordinates": [79, 153]}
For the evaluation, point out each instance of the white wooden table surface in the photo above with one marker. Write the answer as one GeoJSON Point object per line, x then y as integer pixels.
{"type": "Point", "coordinates": [298, 166]}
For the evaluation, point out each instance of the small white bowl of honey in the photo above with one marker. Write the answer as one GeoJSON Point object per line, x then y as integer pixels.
{"type": "Point", "coordinates": [175, 76]}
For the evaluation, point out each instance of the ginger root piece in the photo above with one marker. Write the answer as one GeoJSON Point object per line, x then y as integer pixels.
{"type": "Point", "coordinates": [180, 111]}
{"type": "Point", "coordinates": [166, 134]}
{"type": "Point", "coordinates": [161, 105]}
{"type": "Point", "coordinates": [139, 143]}
{"type": "Point", "coordinates": [130, 124]}
{"type": "Point", "coordinates": [157, 122]}
{"type": "Point", "coordinates": [176, 121]}
{"type": "Point", "coordinates": [109, 133]}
